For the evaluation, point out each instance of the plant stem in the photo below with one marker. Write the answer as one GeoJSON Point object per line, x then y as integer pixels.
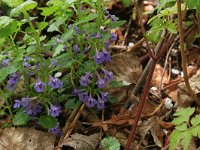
{"type": "Point", "coordinates": [183, 54]}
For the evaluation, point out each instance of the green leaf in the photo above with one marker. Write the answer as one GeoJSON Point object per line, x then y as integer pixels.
{"type": "Point", "coordinates": [59, 48]}
{"type": "Point", "coordinates": [48, 121]}
{"type": "Point", "coordinates": [127, 3]}
{"type": "Point", "coordinates": [67, 35]}
{"type": "Point", "coordinates": [72, 104]}
{"type": "Point", "coordinates": [87, 18]}
{"type": "Point", "coordinates": [194, 4]}
{"type": "Point", "coordinates": [195, 131]}
{"type": "Point", "coordinates": [47, 11]}
{"type": "Point", "coordinates": [42, 25]}
{"type": "Point", "coordinates": [117, 24]}
{"type": "Point", "coordinates": [4, 72]}
{"type": "Point", "coordinates": [186, 138]}
{"type": "Point", "coordinates": [27, 5]}
{"type": "Point", "coordinates": [7, 26]}
{"type": "Point", "coordinates": [21, 118]}
{"type": "Point", "coordinates": [13, 3]}
{"type": "Point", "coordinates": [195, 120]}
{"type": "Point", "coordinates": [174, 140]}
{"type": "Point", "coordinates": [110, 143]}
{"type": "Point", "coordinates": [171, 27]}
{"type": "Point", "coordinates": [116, 84]}
{"type": "Point", "coordinates": [182, 127]}
{"type": "Point", "coordinates": [182, 115]}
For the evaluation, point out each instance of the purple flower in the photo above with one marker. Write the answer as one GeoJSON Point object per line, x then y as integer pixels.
{"type": "Point", "coordinates": [100, 103]}
{"type": "Point", "coordinates": [100, 82]}
{"type": "Point", "coordinates": [104, 96]}
{"type": "Point", "coordinates": [106, 55]}
{"type": "Point", "coordinates": [56, 130]}
{"type": "Point", "coordinates": [5, 62]}
{"type": "Point", "coordinates": [76, 92]}
{"type": "Point", "coordinates": [53, 64]}
{"type": "Point", "coordinates": [113, 37]}
{"type": "Point", "coordinates": [93, 34]}
{"type": "Point", "coordinates": [113, 18]}
{"type": "Point", "coordinates": [86, 50]}
{"type": "Point", "coordinates": [13, 79]}
{"type": "Point", "coordinates": [55, 83]}
{"type": "Point", "coordinates": [98, 36]}
{"type": "Point", "coordinates": [76, 48]}
{"type": "Point", "coordinates": [55, 110]}
{"type": "Point", "coordinates": [84, 80]}
{"type": "Point", "coordinates": [69, 26]}
{"type": "Point", "coordinates": [91, 102]}
{"type": "Point", "coordinates": [99, 57]}
{"type": "Point", "coordinates": [26, 65]}
{"type": "Point", "coordinates": [39, 86]}
{"type": "Point", "coordinates": [108, 75]}
{"type": "Point", "coordinates": [83, 96]}
{"type": "Point", "coordinates": [10, 86]}
{"type": "Point", "coordinates": [77, 31]}
{"type": "Point", "coordinates": [33, 109]}
{"type": "Point", "coordinates": [17, 104]}
{"type": "Point", "coordinates": [58, 40]}
{"type": "Point", "coordinates": [26, 101]}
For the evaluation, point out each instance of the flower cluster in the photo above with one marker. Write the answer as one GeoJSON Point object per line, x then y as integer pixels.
{"type": "Point", "coordinates": [31, 107]}
{"type": "Point", "coordinates": [54, 83]}
{"type": "Point", "coordinates": [12, 81]}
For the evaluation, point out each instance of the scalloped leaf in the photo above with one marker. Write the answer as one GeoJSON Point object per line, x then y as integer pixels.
{"type": "Point", "coordinates": [13, 3]}
{"type": "Point", "coordinates": [28, 5]}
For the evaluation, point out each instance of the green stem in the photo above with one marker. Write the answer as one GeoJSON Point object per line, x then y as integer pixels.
{"type": "Point", "coordinates": [7, 103]}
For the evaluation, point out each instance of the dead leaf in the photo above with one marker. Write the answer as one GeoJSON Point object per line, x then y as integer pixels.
{"type": "Point", "coordinates": [152, 125]}
{"type": "Point", "coordinates": [82, 142]}
{"type": "Point", "coordinates": [126, 67]}
{"type": "Point", "coordinates": [25, 139]}
{"type": "Point", "coordinates": [184, 99]}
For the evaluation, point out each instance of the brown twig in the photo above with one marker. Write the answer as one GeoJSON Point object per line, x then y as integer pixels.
{"type": "Point", "coordinates": [142, 79]}
{"type": "Point", "coordinates": [183, 54]}
{"type": "Point", "coordinates": [160, 53]}
{"type": "Point", "coordinates": [151, 53]}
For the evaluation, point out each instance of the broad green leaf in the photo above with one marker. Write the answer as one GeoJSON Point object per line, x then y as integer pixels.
{"type": "Point", "coordinates": [21, 118]}
{"type": "Point", "coordinates": [67, 35]}
{"type": "Point", "coordinates": [72, 104]}
{"type": "Point", "coordinates": [171, 27]}
{"type": "Point", "coordinates": [87, 18]}
{"type": "Point", "coordinates": [8, 26]}
{"type": "Point", "coordinates": [27, 5]}
{"type": "Point", "coordinates": [48, 121]}
{"type": "Point", "coordinates": [13, 3]}
{"type": "Point", "coordinates": [5, 21]}
{"type": "Point", "coordinates": [194, 4]}
{"type": "Point", "coordinates": [182, 115]}
{"type": "Point", "coordinates": [117, 24]}
{"type": "Point", "coordinates": [110, 143]}
{"type": "Point", "coordinates": [59, 48]}
{"type": "Point", "coordinates": [4, 72]}
{"type": "Point", "coordinates": [42, 25]}
{"type": "Point", "coordinates": [46, 11]}
{"type": "Point", "coordinates": [195, 120]}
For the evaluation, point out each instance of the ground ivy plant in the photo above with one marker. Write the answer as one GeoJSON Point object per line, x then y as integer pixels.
{"type": "Point", "coordinates": [53, 58]}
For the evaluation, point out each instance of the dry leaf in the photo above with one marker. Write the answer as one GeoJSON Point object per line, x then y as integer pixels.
{"type": "Point", "coordinates": [82, 142]}
{"type": "Point", "coordinates": [152, 124]}
{"type": "Point", "coordinates": [184, 99]}
{"type": "Point", "coordinates": [25, 139]}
